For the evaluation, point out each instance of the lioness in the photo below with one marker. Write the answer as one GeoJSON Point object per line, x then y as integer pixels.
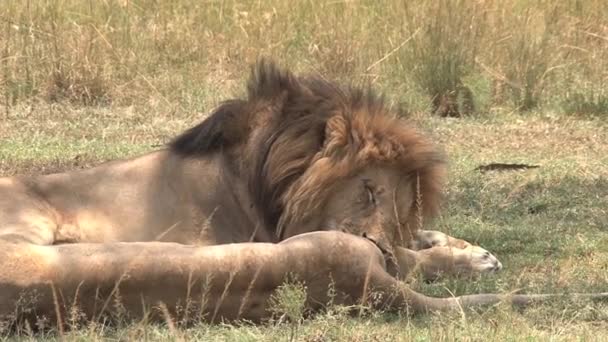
{"type": "Point", "coordinates": [300, 178]}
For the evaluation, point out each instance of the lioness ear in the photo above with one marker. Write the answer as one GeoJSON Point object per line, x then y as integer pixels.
{"type": "Point", "coordinates": [226, 126]}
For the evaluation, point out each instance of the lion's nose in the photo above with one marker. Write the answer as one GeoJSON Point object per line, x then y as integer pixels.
{"type": "Point", "coordinates": [378, 241]}
{"type": "Point", "coordinates": [370, 237]}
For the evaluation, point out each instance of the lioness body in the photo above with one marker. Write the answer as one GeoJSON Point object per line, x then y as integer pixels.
{"type": "Point", "coordinates": [298, 158]}
{"type": "Point", "coordinates": [231, 281]}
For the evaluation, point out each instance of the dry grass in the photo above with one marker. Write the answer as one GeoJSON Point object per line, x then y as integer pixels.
{"type": "Point", "coordinates": [182, 55]}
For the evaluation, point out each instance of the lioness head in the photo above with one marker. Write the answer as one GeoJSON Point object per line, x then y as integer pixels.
{"type": "Point", "coordinates": [317, 156]}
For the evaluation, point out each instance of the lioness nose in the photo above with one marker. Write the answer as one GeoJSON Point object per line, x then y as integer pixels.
{"type": "Point", "coordinates": [497, 266]}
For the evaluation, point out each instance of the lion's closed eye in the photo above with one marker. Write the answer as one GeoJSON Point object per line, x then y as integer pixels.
{"type": "Point", "coordinates": [370, 196]}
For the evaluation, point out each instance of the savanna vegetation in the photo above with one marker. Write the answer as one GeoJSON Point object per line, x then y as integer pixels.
{"type": "Point", "coordinates": [85, 81]}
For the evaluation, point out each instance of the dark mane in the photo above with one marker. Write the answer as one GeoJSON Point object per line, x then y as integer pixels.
{"type": "Point", "coordinates": [293, 135]}
{"type": "Point", "coordinates": [221, 129]}
{"type": "Point", "coordinates": [287, 124]}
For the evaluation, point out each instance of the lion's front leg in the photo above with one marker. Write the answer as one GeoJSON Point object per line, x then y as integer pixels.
{"type": "Point", "coordinates": [424, 239]}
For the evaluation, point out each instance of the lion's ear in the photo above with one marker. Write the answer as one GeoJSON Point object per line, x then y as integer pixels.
{"type": "Point", "coordinates": [225, 127]}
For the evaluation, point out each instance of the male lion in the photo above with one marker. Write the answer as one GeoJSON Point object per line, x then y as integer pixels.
{"type": "Point", "coordinates": [300, 178]}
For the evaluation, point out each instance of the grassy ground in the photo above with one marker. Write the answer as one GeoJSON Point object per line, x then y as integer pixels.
{"type": "Point", "coordinates": [83, 81]}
